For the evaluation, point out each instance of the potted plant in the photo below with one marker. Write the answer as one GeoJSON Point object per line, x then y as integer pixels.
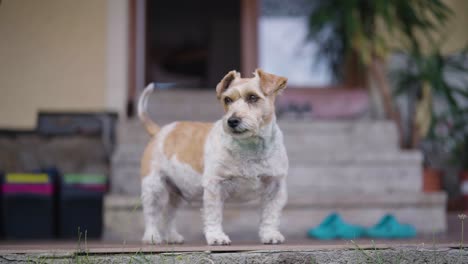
{"type": "Point", "coordinates": [424, 77]}
{"type": "Point", "coordinates": [432, 172]}
{"type": "Point", "coordinates": [459, 136]}
{"type": "Point", "coordinates": [424, 80]}
{"type": "Point", "coordinates": [456, 144]}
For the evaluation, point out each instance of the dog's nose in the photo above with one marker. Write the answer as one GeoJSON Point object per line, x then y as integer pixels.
{"type": "Point", "coordinates": [233, 122]}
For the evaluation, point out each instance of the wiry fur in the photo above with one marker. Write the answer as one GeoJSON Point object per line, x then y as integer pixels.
{"type": "Point", "coordinates": [151, 127]}
{"type": "Point", "coordinates": [240, 164]}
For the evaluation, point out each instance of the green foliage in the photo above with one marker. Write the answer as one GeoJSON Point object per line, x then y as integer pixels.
{"type": "Point", "coordinates": [342, 27]}
{"type": "Point", "coordinates": [447, 78]}
{"type": "Point", "coordinates": [434, 70]}
{"type": "Point", "coordinates": [455, 135]}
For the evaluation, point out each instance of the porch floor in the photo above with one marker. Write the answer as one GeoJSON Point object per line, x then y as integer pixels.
{"type": "Point", "coordinates": [446, 241]}
{"type": "Point", "coordinates": [294, 252]}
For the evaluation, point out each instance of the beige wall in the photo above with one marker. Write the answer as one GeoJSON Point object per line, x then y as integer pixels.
{"type": "Point", "coordinates": [72, 55]}
{"type": "Point", "coordinates": [52, 56]}
{"type": "Point", "coordinates": [117, 55]}
{"type": "Point", "coordinates": [452, 36]}
{"type": "Point", "coordinates": [455, 33]}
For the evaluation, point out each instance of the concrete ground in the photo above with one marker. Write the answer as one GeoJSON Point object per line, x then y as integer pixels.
{"type": "Point", "coordinates": [438, 248]}
{"type": "Point", "coordinates": [289, 253]}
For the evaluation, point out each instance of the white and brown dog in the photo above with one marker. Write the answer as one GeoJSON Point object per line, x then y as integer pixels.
{"type": "Point", "coordinates": [238, 158]}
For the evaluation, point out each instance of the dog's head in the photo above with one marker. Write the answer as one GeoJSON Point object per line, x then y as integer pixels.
{"type": "Point", "coordinates": [249, 103]}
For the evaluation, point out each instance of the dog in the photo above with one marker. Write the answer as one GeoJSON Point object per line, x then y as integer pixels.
{"type": "Point", "coordinates": [241, 157]}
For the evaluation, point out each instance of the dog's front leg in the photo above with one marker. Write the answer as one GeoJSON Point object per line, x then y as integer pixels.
{"type": "Point", "coordinates": [273, 200]}
{"type": "Point", "coordinates": [213, 202]}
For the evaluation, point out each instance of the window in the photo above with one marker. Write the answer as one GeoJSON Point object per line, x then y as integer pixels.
{"type": "Point", "coordinates": [283, 47]}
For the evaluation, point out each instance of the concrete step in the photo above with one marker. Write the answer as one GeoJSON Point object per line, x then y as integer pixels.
{"type": "Point", "coordinates": [132, 153]}
{"type": "Point", "coordinates": [166, 106]}
{"type": "Point", "coordinates": [311, 151]}
{"type": "Point", "coordinates": [365, 172]}
{"type": "Point", "coordinates": [185, 104]}
{"type": "Point", "coordinates": [369, 179]}
{"type": "Point", "coordinates": [124, 220]}
{"type": "Point", "coordinates": [125, 180]}
{"type": "Point", "coordinates": [324, 156]}
{"type": "Point", "coordinates": [339, 136]}
{"type": "Point", "coordinates": [332, 157]}
{"type": "Point", "coordinates": [315, 135]}
{"type": "Point", "coordinates": [132, 132]}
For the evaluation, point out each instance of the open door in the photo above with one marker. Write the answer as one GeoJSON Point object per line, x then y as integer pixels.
{"type": "Point", "coordinates": [191, 43]}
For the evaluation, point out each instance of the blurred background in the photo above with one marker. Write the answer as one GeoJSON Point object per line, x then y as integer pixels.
{"type": "Point", "coordinates": [375, 115]}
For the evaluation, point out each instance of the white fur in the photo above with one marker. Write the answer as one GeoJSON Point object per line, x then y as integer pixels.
{"type": "Point", "coordinates": [143, 102]}
{"type": "Point", "coordinates": [237, 168]}
{"type": "Point", "coordinates": [242, 170]}
{"type": "Point", "coordinates": [158, 203]}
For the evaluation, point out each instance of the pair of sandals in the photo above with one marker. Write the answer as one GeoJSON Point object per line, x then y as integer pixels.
{"type": "Point", "coordinates": [334, 227]}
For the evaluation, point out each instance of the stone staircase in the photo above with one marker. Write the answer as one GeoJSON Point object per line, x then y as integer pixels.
{"type": "Point", "coordinates": [352, 167]}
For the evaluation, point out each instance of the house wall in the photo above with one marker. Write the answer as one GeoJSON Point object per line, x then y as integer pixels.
{"type": "Point", "coordinates": [72, 55]}
{"type": "Point", "coordinates": [54, 56]}
{"type": "Point", "coordinates": [452, 36]}
{"type": "Point", "coordinates": [455, 32]}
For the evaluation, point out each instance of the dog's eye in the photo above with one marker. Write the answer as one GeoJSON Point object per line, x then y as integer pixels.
{"type": "Point", "coordinates": [252, 98]}
{"type": "Point", "coordinates": [227, 100]}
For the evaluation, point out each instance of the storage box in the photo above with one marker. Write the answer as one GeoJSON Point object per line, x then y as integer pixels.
{"type": "Point", "coordinates": [28, 206]}
{"type": "Point", "coordinates": [100, 124]}
{"type": "Point", "coordinates": [2, 234]}
{"type": "Point", "coordinates": [80, 205]}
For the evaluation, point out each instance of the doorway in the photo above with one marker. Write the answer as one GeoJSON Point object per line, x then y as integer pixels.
{"type": "Point", "coordinates": [192, 43]}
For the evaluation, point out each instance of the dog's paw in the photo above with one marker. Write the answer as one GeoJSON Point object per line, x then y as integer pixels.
{"type": "Point", "coordinates": [217, 238]}
{"type": "Point", "coordinates": [152, 237]}
{"type": "Point", "coordinates": [271, 237]}
{"type": "Point", "coordinates": [175, 238]}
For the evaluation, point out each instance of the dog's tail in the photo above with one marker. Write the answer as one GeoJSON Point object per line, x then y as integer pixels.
{"type": "Point", "coordinates": [151, 127]}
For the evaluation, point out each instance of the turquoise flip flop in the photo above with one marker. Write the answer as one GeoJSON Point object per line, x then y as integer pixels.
{"type": "Point", "coordinates": [389, 228]}
{"type": "Point", "coordinates": [333, 227]}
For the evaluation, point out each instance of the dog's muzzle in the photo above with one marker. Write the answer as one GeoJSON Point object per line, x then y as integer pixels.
{"type": "Point", "coordinates": [233, 122]}
{"type": "Point", "coordinates": [235, 125]}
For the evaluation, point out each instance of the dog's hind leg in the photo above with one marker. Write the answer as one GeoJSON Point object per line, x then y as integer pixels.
{"type": "Point", "coordinates": [172, 236]}
{"type": "Point", "coordinates": [154, 198]}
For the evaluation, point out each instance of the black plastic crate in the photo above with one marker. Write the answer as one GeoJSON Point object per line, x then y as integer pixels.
{"type": "Point", "coordinates": [2, 234]}
{"type": "Point", "coordinates": [80, 207]}
{"type": "Point", "coordinates": [28, 206]}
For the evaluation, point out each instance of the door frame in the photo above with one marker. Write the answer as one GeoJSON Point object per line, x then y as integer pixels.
{"type": "Point", "coordinates": [249, 36]}
{"type": "Point", "coordinates": [137, 13]}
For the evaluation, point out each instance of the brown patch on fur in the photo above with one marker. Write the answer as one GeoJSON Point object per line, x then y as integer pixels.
{"type": "Point", "coordinates": [151, 127]}
{"type": "Point", "coordinates": [225, 82]}
{"type": "Point", "coordinates": [270, 83]}
{"type": "Point", "coordinates": [234, 95]}
{"type": "Point", "coordinates": [239, 81]}
{"type": "Point", "coordinates": [187, 142]}
{"type": "Point", "coordinates": [148, 157]}
{"type": "Point", "coordinates": [267, 119]}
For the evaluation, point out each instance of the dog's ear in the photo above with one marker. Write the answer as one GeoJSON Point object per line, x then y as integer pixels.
{"type": "Point", "coordinates": [270, 83]}
{"type": "Point", "coordinates": [225, 82]}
